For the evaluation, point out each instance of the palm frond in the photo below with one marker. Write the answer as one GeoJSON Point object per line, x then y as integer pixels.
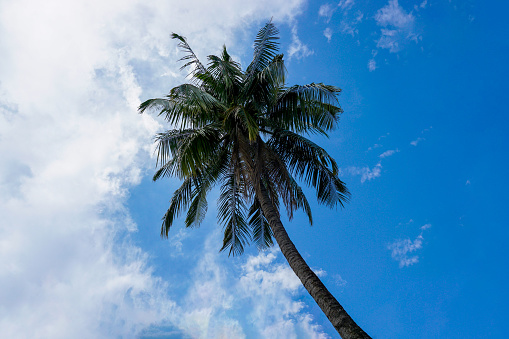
{"type": "Point", "coordinates": [264, 87]}
{"type": "Point", "coordinates": [190, 58]}
{"type": "Point", "coordinates": [312, 164]}
{"type": "Point", "coordinates": [273, 76]}
{"type": "Point", "coordinates": [198, 207]}
{"type": "Point", "coordinates": [245, 118]}
{"type": "Point", "coordinates": [191, 106]}
{"type": "Point", "coordinates": [309, 108]}
{"type": "Point", "coordinates": [227, 76]}
{"type": "Point", "coordinates": [185, 105]}
{"type": "Point", "coordinates": [262, 233]}
{"type": "Point", "coordinates": [301, 201]}
{"type": "Point", "coordinates": [191, 148]}
{"type": "Point", "coordinates": [167, 170]}
{"type": "Point", "coordinates": [231, 209]}
{"type": "Point", "coordinates": [283, 182]}
{"type": "Point", "coordinates": [265, 48]}
{"type": "Point", "coordinates": [179, 201]}
{"type": "Point", "coordinates": [160, 104]}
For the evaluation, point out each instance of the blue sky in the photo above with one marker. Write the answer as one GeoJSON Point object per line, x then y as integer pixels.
{"type": "Point", "coordinates": [419, 252]}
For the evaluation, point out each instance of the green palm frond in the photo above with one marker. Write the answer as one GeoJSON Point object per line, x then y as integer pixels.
{"type": "Point", "coordinates": [179, 201]}
{"type": "Point", "coordinates": [264, 86]}
{"type": "Point", "coordinates": [191, 106]}
{"type": "Point", "coordinates": [185, 105]}
{"type": "Point", "coordinates": [312, 164]}
{"type": "Point", "coordinates": [190, 58]}
{"type": "Point", "coordinates": [162, 105]}
{"type": "Point", "coordinates": [301, 201]}
{"type": "Point", "coordinates": [231, 210]}
{"type": "Point", "coordinates": [198, 207]}
{"type": "Point", "coordinates": [226, 72]}
{"type": "Point", "coordinates": [309, 108]}
{"type": "Point", "coordinates": [262, 233]}
{"type": "Point", "coordinates": [265, 48]}
{"type": "Point", "coordinates": [245, 118]}
{"type": "Point", "coordinates": [191, 148]}
{"type": "Point", "coordinates": [169, 169]}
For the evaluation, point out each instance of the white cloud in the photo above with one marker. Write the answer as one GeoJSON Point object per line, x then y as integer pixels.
{"type": "Point", "coordinates": [339, 281]}
{"type": "Point", "coordinates": [215, 304]}
{"type": "Point", "coordinates": [369, 174]}
{"type": "Point", "coordinates": [176, 242]}
{"type": "Point", "coordinates": [419, 139]}
{"type": "Point", "coordinates": [393, 15]}
{"type": "Point", "coordinates": [420, 6]}
{"type": "Point", "coordinates": [398, 27]}
{"type": "Point", "coordinates": [374, 146]}
{"type": "Point", "coordinates": [350, 20]}
{"type": "Point", "coordinates": [326, 11]}
{"type": "Point", "coordinates": [72, 144]}
{"type": "Point", "coordinates": [416, 141]}
{"type": "Point", "coordinates": [425, 227]}
{"type": "Point", "coordinates": [372, 65]}
{"type": "Point", "coordinates": [297, 49]}
{"type": "Point", "coordinates": [270, 287]}
{"type": "Point", "coordinates": [203, 312]}
{"type": "Point", "coordinates": [346, 4]}
{"type": "Point", "coordinates": [349, 28]}
{"type": "Point", "coordinates": [328, 34]}
{"type": "Point", "coordinates": [402, 250]}
{"type": "Point", "coordinates": [388, 153]}
{"type": "Point", "coordinates": [366, 173]}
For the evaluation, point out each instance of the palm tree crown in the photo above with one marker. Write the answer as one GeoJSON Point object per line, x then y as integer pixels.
{"type": "Point", "coordinates": [245, 131]}
{"type": "Point", "coordinates": [242, 130]}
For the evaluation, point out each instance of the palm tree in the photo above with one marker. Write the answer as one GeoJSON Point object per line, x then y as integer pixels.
{"type": "Point", "coordinates": [244, 130]}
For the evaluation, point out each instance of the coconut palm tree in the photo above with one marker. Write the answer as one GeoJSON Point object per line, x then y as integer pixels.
{"type": "Point", "coordinates": [245, 131]}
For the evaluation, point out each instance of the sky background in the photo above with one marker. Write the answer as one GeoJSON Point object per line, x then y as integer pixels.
{"type": "Point", "coordinates": [419, 252]}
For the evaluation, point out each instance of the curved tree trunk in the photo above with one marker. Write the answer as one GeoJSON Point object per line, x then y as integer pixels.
{"type": "Point", "coordinates": [342, 322]}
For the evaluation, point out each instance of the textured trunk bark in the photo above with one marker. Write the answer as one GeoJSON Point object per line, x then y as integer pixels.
{"type": "Point", "coordinates": [342, 322]}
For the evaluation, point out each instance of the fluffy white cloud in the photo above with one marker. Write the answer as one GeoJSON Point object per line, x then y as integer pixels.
{"type": "Point", "coordinates": [298, 49]}
{"type": "Point", "coordinates": [327, 10]}
{"type": "Point", "coordinates": [388, 153]}
{"type": "Point", "coordinates": [416, 141]}
{"type": "Point", "coordinates": [398, 27]}
{"type": "Point", "coordinates": [346, 4]}
{"type": "Point", "coordinates": [372, 65]}
{"type": "Point", "coordinates": [270, 286]}
{"type": "Point", "coordinates": [72, 143]}
{"type": "Point", "coordinates": [425, 227]}
{"type": "Point", "coordinates": [256, 296]}
{"type": "Point", "coordinates": [365, 172]}
{"type": "Point", "coordinates": [402, 250]}
{"type": "Point", "coordinates": [328, 34]}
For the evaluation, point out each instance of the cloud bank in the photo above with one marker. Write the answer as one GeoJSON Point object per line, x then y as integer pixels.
{"type": "Point", "coordinates": [72, 144]}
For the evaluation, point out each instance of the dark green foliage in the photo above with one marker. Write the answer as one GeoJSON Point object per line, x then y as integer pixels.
{"type": "Point", "coordinates": [243, 130]}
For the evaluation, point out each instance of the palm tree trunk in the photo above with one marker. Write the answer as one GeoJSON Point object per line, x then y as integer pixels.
{"type": "Point", "coordinates": [342, 322]}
